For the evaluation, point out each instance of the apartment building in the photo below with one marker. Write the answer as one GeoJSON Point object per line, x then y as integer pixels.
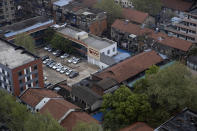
{"type": "Point", "coordinates": [184, 27]}
{"type": "Point", "coordinates": [19, 69]}
{"type": "Point", "coordinates": [124, 3]}
{"type": "Point", "coordinates": [7, 12]}
{"type": "Point", "coordinates": [76, 14]}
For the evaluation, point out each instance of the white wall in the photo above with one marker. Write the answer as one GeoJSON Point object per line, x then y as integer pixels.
{"type": "Point", "coordinates": [105, 50]}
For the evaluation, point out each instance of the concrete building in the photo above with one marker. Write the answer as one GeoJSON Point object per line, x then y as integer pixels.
{"type": "Point", "coordinates": [19, 69]}
{"type": "Point", "coordinates": [183, 121]}
{"type": "Point", "coordinates": [136, 38]}
{"type": "Point", "coordinates": [99, 51]}
{"type": "Point", "coordinates": [124, 3]}
{"type": "Point", "coordinates": [7, 12]}
{"type": "Point", "coordinates": [184, 27]}
{"type": "Point", "coordinates": [76, 14]}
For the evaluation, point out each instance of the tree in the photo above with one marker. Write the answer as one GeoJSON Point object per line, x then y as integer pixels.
{"type": "Point", "coordinates": [123, 108]}
{"type": "Point", "coordinates": [169, 91]}
{"type": "Point", "coordinates": [82, 126]}
{"type": "Point", "coordinates": [152, 70]}
{"type": "Point", "coordinates": [25, 41]}
{"type": "Point", "coordinates": [61, 43]}
{"type": "Point", "coordinates": [16, 116]}
{"type": "Point", "coordinates": [48, 35]}
{"type": "Point", "coordinates": [112, 9]}
{"type": "Point", "coordinates": [152, 7]}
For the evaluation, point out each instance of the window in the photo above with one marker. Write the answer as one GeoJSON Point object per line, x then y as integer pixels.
{"type": "Point", "coordinates": [35, 67]}
{"type": "Point", "coordinates": [108, 52]}
{"type": "Point", "coordinates": [20, 73]}
{"type": "Point", "coordinates": [21, 89]}
{"type": "Point", "coordinates": [29, 85]}
{"type": "Point", "coordinates": [20, 81]}
{"type": "Point", "coordinates": [28, 78]}
{"type": "Point", "coordinates": [114, 49]}
{"type": "Point", "coordinates": [3, 71]}
{"type": "Point", "coordinates": [36, 75]}
{"type": "Point", "coordinates": [27, 71]}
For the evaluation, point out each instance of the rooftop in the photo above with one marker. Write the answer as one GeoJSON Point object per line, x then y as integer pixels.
{"type": "Point", "coordinates": [33, 96]}
{"type": "Point", "coordinates": [184, 121]}
{"type": "Point", "coordinates": [134, 15]}
{"type": "Point", "coordinates": [181, 5]}
{"type": "Point", "coordinates": [130, 67]}
{"type": "Point", "coordinates": [92, 41]}
{"type": "Point", "coordinates": [59, 107]}
{"type": "Point", "coordinates": [106, 83]}
{"type": "Point", "coordinates": [166, 40]}
{"type": "Point", "coordinates": [13, 56]}
{"type": "Point", "coordinates": [85, 94]}
{"type": "Point", "coordinates": [138, 126]}
{"type": "Point", "coordinates": [26, 25]}
{"type": "Point", "coordinates": [193, 59]}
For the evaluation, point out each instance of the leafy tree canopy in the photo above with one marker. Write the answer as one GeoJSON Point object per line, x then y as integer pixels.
{"type": "Point", "coordinates": [123, 108]}
{"type": "Point", "coordinates": [152, 7]}
{"type": "Point", "coordinates": [48, 35]}
{"type": "Point", "coordinates": [17, 118]}
{"type": "Point", "coordinates": [113, 10]}
{"type": "Point", "coordinates": [82, 126]}
{"type": "Point", "coordinates": [25, 41]}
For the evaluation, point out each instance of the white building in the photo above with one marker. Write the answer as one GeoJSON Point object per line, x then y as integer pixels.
{"type": "Point", "coordinates": [99, 50]}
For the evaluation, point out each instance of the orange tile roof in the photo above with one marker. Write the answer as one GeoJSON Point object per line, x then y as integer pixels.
{"type": "Point", "coordinates": [134, 15]}
{"type": "Point", "coordinates": [131, 66]}
{"type": "Point", "coordinates": [177, 4]}
{"type": "Point", "coordinates": [137, 30]}
{"type": "Point", "coordinates": [58, 107]}
{"type": "Point", "coordinates": [138, 126]}
{"type": "Point", "coordinates": [33, 96]}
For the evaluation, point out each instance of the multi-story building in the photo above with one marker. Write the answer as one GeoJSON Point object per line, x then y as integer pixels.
{"type": "Point", "coordinates": [7, 11]}
{"type": "Point", "coordinates": [75, 13]}
{"type": "Point", "coordinates": [136, 38]}
{"type": "Point", "coordinates": [124, 3]}
{"type": "Point", "coordinates": [184, 28]}
{"type": "Point", "coordinates": [99, 51]}
{"type": "Point", "coordinates": [19, 69]}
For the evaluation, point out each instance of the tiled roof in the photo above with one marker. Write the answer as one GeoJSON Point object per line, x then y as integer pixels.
{"type": "Point", "coordinates": [85, 94]}
{"type": "Point", "coordinates": [33, 96]}
{"type": "Point", "coordinates": [76, 117]}
{"type": "Point", "coordinates": [57, 108]}
{"type": "Point", "coordinates": [181, 5]}
{"type": "Point", "coordinates": [107, 83]}
{"type": "Point", "coordinates": [173, 42]}
{"type": "Point", "coordinates": [134, 15]}
{"type": "Point", "coordinates": [131, 66]}
{"type": "Point", "coordinates": [138, 126]}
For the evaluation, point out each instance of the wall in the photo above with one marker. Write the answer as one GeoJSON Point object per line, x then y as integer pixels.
{"type": "Point", "coordinates": [16, 83]}
{"type": "Point", "coordinates": [105, 50]}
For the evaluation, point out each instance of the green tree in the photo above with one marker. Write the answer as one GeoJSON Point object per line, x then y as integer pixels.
{"type": "Point", "coordinates": [152, 7]}
{"type": "Point", "coordinates": [152, 70]}
{"type": "Point", "coordinates": [82, 126]}
{"type": "Point", "coordinates": [48, 35]}
{"type": "Point", "coordinates": [112, 9]}
{"type": "Point", "coordinates": [169, 91]}
{"type": "Point", "coordinates": [25, 41]}
{"type": "Point", "coordinates": [17, 118]}
{"type": "Point", "coordinates": [123, 108]}
{"type": "Point", "coordinates": [61, 43]}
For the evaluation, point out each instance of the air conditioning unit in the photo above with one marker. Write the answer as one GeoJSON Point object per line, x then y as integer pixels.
{"type": "Point", "coordinates": [81, 35]}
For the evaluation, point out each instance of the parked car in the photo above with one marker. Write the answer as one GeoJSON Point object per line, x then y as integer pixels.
{"type": "Point", "coordinates": [45, 57]}
{"type": "Point", "coordinates": [65, 55]}
{"type": "Point", "coordinates": [62, 71]}
{"type": "Point", "coordinates": [68, 72]}
{"type": "Point", "coordinates": [47, 47]}
{"type": "Point", "coordinates": [56, 66]}
{"type": "Point", "coordinates": [49, 62]}
{"type": "Point", "coordinates": [73, 74]}
{"type": "Point", "coordinates": [76, 60]}
{"type": "Point", "coordinates": [59, 53]}
{"type": "Point", "coordinates": [55, 52]}
{"type": "Point", "coordinates": [59, 68]}
{"type": "Point", "coordinates": [45, 61]}
{"type": "Point", "coordinates": [52, 64]}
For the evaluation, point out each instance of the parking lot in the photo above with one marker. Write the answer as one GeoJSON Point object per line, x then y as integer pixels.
{"type": "Point", "coordinates": [83, 68]}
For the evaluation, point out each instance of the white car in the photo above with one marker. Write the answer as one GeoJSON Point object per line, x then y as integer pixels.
{"type": "Point", "coordinates": [59, 68]}
{"type": "Point", "coordinates": [76, 60]}
{"type": "Point", "coordinates": [62, 71]}
{"type": "Point", "coordinates": [45, 61]}
{"type": "Point", "coordinates": [65, 55]}
{"type": "Point", "coordinates": [68, 72]}
{"type": "Point", "coordinates": [46, 47]}
{"type": "Point", "coordinates": [70, 60]}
